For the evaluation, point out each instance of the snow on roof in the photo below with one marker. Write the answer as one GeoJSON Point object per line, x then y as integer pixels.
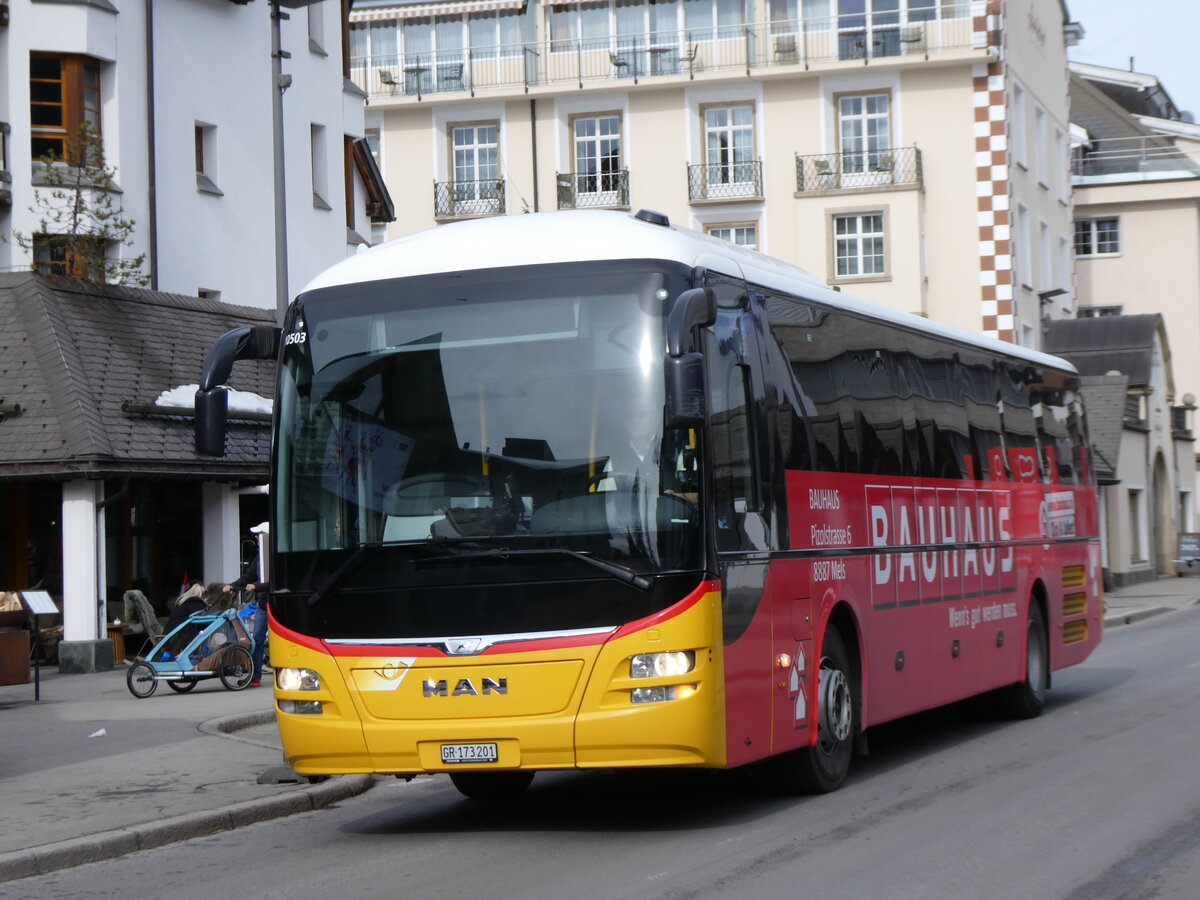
{"type": "Point", "coordinates": [184, 397]}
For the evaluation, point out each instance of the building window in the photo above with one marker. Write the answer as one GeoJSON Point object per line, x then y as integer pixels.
{"type": "Point", "coordinates": [1017, 125]}
{"type": "Point", "coordinates": [78, 257]}
{"type": "Point", "coordinates": [5, 171]}
{"type": "Point", "coordinates": [491, 32]}
{"type": "Point", "coordinates": [1040, 163]}
{"type": "Point", "coordinates": [316, 28]}
{"type": "Point", "coordinates": [1096, 312]}
{"type": "Point", "coordinates": [1022, 246]}
{"type": "Point", "coordinates": [597, 143]}
{"type": "Point", "coordinates": [1097, 237]}
{"type": "Point", "coordinates": [568, 24]}
{"type": "Point", "coordinates": [742, 235]}
{"type": "Point", "coordinates": [64, 92]}
{"type": "Point", "coordinates": [1046, 254]}
{"type": "Point", "coordinates": [206, 158]}
{"type": "Point", "coordinates": [729, 145]}
{"type": "Point", "coordinates": [1137, 531]}
{"type": "Point", "coordinates": [475, 169]}
{"type": "Point", "coordinates": [858, 247]}
{"type": "Point", "coordinates": [864, 132]}
{"type": "Point", "coordinates": [320, 167]}
{"type": "Point", "coordinates": [209, 294]}
{"type": "Point", "coordinates": [1059, 164]}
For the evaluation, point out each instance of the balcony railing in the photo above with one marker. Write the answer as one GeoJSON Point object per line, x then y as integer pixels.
{"type": "Point", "coordinates": [748, 49]}
{"type": "Point", "coordinates": [725, 181]}
{"type": "Point", "coordinates": [1137, 158]}
{"type": "Point", "coordinates": [464, 199]}
{"type": "Point", "coordinates": [859, 169]}
{"type": "Point", "coordinates": [589, 190]}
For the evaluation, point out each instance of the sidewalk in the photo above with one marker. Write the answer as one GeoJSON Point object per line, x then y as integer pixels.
{"type": "Point", "coordinates": [91, 772]}
{"type": "Point", "coordinates": [1124, 606]}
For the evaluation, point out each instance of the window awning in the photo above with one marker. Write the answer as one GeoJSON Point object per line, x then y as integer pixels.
{"type": "Point", "coordinates": [427, 10]}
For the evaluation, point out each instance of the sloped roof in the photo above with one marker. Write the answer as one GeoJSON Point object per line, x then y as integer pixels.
{"type": "Point", "coordinates": [1106, 344]}
{"type": "Point", "coordinates": [73, 354]}
{"type": "Point", "coordinates": [1104, 397]}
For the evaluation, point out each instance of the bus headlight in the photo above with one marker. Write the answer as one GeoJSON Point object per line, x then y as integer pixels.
{"type": "Point", "coordinates": [662, 665]}
{"type": "Point", "coordinates": [297, 680]}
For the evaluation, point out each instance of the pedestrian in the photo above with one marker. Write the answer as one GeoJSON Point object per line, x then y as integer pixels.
{"type": "Point", "coordinates": [261, 591]}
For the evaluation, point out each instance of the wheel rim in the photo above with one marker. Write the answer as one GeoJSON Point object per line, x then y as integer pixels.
{"type": "Point", "coordinates": [141, 680]}
{"type": "Point", "coordinates": [835, 705]}
{"type": "Point", "coordinates": [236, 668]}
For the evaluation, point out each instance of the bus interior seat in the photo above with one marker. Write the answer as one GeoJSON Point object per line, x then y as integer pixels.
{"type": "Point", "coordinates": [411, 506]}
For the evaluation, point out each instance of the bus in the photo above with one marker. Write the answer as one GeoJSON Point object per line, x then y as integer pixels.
{"type": "Point", "coordinates": [587, 490]}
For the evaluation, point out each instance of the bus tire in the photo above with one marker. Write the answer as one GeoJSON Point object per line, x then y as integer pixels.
{"type": "Point", "coordinates": [1027, 698]}
{"type": "Point", "coordinates": [492, 787]}
{"type": "Point", "coordinates": [822, 768]}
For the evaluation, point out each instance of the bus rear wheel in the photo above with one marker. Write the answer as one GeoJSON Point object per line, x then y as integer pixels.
{"type": "Point", "coordinates": [1027, 698]}
{"type": "Point", "coordinates": [491, 787]}
{"type": "Point", "coordinates": [822, 767]}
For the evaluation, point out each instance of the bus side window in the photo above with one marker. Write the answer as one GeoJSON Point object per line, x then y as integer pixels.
{"type": "Point", "coordinates": [734, 476]}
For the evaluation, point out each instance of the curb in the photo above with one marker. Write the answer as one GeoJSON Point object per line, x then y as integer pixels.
{"type": "Point", "coordinates": [107, 845]}
{"type": "Point", "coordinates": [1136, 615]}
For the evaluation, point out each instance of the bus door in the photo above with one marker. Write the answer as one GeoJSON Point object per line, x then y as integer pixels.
{"type": "Point", "coordinates": [742, 524]}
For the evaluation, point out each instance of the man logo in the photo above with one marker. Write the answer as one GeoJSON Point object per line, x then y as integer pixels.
{"type": "Point", "coordinates": [464, 687]}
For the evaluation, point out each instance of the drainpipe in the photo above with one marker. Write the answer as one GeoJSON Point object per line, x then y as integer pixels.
{"type": "Point", "coordinates": [151, 163]}
{"type": "Point", "coordinates": [533, 137]}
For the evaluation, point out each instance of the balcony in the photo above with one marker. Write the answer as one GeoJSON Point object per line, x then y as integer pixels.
{"type": "Point", "coordinates": [752, 49]}
{"type": "Point", "coordinates": [860, 170]}
{"type": "Point", "coordinates": [1149, 157]}
{"type": "Point", "coordinates": [468, 199]}
{"type": "Point", "coordinates": [711, 182]}
{"type": "Point", "coordinates": [593, 190]}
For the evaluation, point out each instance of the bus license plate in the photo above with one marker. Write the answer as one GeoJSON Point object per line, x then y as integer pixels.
{"type": "Point", "coordinates": [469, 753]}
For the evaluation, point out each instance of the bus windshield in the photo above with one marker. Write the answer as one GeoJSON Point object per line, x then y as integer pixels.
{"type": "Point", "coordinates": [458, 415]}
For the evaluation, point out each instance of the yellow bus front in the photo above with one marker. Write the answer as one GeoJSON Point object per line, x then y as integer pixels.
{"type": "Point", "coordinates": [649, 693]}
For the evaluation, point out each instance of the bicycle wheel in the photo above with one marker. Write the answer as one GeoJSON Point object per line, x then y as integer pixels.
{"type": "Point", "coordinates": [235, 667]}
{"type": "Point", "coordinates": [183, 685]}
{"type": "Point", "coordinates": [141, 680]}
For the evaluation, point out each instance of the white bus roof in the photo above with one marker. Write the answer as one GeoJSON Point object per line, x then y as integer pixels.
{"type": "Point", "coordinates": [587, 235]}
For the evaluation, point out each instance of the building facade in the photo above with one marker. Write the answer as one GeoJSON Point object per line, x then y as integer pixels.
{"type": "Point", "coordinates": [181, 94]}
{"type": "Point", "coordinates": [913, 152]}
{"type": "Point", "coordinates": [1145, 464]}
{"type": "Point", "coordinates": [1136, 174]}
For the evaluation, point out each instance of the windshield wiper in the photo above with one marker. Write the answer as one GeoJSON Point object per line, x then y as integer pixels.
{"type": "Point", "coordinates": [619, 572]}
{"type": "Point", "coordinates": [348, 565]}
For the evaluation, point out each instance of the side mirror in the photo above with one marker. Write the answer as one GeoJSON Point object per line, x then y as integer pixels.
{"type": "Point", "coordinates": [212, 413]}
{"type": "Point", "coordinates": [685, 390]}
{"type": "Point", "coordinates": [696, 308]}
{"type": "Point", "coordinates": [212, 398]}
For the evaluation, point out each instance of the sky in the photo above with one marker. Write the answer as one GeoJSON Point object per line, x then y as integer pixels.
{"type": "Point", "coordinates": [1161, 36]}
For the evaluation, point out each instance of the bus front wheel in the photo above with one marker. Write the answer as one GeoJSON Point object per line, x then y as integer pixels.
{"type": "Point", "coordinates": [822, 767]}
{"type": "Point", "coordinates": [491, 787]}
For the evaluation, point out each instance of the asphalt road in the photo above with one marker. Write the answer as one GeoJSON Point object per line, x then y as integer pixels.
{"type": "Point", "coordinates": [1097, 799]}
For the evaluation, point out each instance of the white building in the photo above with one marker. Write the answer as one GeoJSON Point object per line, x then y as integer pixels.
{"type": "Point", "coordinates": [182, 95]}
